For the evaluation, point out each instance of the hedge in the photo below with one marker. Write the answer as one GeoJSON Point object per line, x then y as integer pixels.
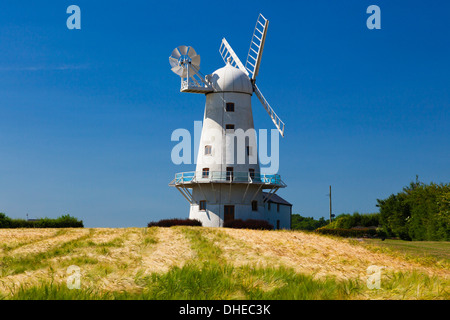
{"type": "Point", "coordinates": [175, 222]}
{"type": "Point", "coordinates": [248, 224]}
{"type": "Point", "coordinates": [65, 221]}
{"type": "Point", "coordinates": [354, 233]}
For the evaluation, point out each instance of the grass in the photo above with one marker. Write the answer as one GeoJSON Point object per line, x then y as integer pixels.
{"type": "Point", "coordinates": [215, 281]}
{"type": "Point", "coordinates": [32, 261]}
{"type": "Point", "coordinates": [116, 264]}
{"type": "Point", "coordinates": [150, 236]}
{"type": "Point", "coordinates": [205, 249]}
{"type": "Point", "coordinates": [409, 286]}
{"type": "Point", "coordinates": [209, 277]}
{"type": "Point", "coordinates": [224, 282]}
{"type": "Point", "coordinates": [424, 252]}
{"type": "Point", "coordinates": [6, 247]}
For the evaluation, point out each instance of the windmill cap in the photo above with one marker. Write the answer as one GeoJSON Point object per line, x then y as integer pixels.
{"type": "Point", "coordinates": [231, 79]}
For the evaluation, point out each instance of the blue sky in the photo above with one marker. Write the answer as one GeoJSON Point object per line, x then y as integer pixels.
{"type": "Point", "coordinates": [86, 115]}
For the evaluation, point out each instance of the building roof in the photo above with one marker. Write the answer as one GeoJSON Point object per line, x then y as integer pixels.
{"type": "Point", "coordinates": [231, 79]}
{"type": "Point", "coordinates": [274, 198]}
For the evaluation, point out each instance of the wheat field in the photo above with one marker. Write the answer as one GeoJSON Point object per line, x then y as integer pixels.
{"type": "Point", "coordinates": [114, 260]}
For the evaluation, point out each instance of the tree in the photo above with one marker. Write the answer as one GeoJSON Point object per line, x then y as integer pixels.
{"type": "Point", "coordinates": [5, 222]}
{"type": "Point", "coordinates": [419, 212]}
{"type": "Point", "coordinates": [395, 213]}
{"type": "Point", "coordinates": [348, 221]}
{"type": "Point", "coordinates": [306, 223]}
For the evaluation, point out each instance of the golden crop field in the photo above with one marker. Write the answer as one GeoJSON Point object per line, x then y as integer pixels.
{"type": "Point", "coordinates": [131, 262]}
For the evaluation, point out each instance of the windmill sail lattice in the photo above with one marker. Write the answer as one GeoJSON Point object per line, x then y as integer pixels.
{"type": "Point", "coordinates": [251, 67]}
{"type": "Point", "coordinates": [276, 120]}
{"type": "Point", "coordinates": [256, 47]}
{"type": "Point", "coordinates": [227, 53]}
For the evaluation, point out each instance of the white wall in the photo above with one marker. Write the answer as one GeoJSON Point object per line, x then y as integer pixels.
{"type": "Point", "coordinates": [283, 215]}
{"type": "Point", "coordinates": [221, 196]}
{"type": "Point", "coordinates": [215, 120]}
{"type": "Point", "coordinates": [218, 195]}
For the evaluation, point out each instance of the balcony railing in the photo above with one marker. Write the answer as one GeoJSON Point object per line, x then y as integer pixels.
{"type": "Point", "coordinates": [196, 85]}
{"type": "Point", "coordinates": [227, 177]}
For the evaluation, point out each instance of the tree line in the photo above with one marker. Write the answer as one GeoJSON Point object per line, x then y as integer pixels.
{"type": "Point", "coordinates": [419, 212]}
{"type": "Point", "coordinates": [65, 221]}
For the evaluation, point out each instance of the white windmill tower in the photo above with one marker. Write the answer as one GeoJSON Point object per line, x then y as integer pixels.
{"type": "Point", "coordinates": [227, 183]}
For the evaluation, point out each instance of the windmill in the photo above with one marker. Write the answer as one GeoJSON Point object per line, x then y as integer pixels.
{"type": "Point", "coordinates": [225, 186]}
{"type": "Point", "coordinates": [186, 63]}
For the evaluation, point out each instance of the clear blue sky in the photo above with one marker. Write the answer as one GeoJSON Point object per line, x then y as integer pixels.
{"type": "Point", "coordinates": [86, 115]}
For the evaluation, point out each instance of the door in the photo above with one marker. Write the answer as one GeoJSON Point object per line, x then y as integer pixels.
{"type": "Point", "coordinates": [228, 213]}
{"type": "Point", "coordinates": [251, 173]}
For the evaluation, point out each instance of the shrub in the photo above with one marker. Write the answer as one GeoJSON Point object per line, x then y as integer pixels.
{"type": "Point", "coordinates": [307, 223]}
{"type": "Point", "coordinates": [248, 224]}
{"type": "Point", "coordinates": [348, 221]}
{"type": "Point", "coordinates": [354, 233]}
{"type": "Point", "coordinates": [5, 222]}
{"type": "Point", "coordinates": [65, 221]}
{"type": "Point", "coordinates": [419, 212]}
{"type": "Point", "coordinates": [175, 222]}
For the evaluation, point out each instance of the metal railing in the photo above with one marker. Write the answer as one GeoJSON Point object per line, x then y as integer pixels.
{"type": "Point", "coordinates": [227, 176]}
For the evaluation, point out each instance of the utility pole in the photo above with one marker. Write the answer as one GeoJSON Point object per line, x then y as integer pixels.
{"type": "Point", "coordinates": [331, 214]}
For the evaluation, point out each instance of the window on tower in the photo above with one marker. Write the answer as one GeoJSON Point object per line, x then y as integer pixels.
{"type": "Point", "coordinates": [208, 150]}
{"type": "Point", "coordinates": [202, 205]}
{"type": "Point", "coordinates": [230, 107]}
{"type": "Point", "coordinates": [229, 128]}
{"type": "Point", "coordinates": [205, 173]}
{"type": "Point", "coordinates": [251, 173]}
{"type": "Point", "coordinates": [255, 205]}
{"type": "Point", "coordinates": [230, 171]}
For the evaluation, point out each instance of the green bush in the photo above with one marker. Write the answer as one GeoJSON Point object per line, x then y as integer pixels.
{"type": "Point", "coordinates": [65, 221]}
{"type": "Point", "coordinates": [5, 222]}
{"type": "Point", "coordinates": [419, 212]}
{"type": "Point", "coordinates": [306, 223]}
{"type": "Point", "coordinates": [348, 221]}
{"type": "Point", "coordinates": [351, 233]}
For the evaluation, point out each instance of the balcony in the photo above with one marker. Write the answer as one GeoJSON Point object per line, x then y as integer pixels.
{"type": "Point", "coordinates": [192, 177]}
{"type": "Point", "coordinates": [193, 85]}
